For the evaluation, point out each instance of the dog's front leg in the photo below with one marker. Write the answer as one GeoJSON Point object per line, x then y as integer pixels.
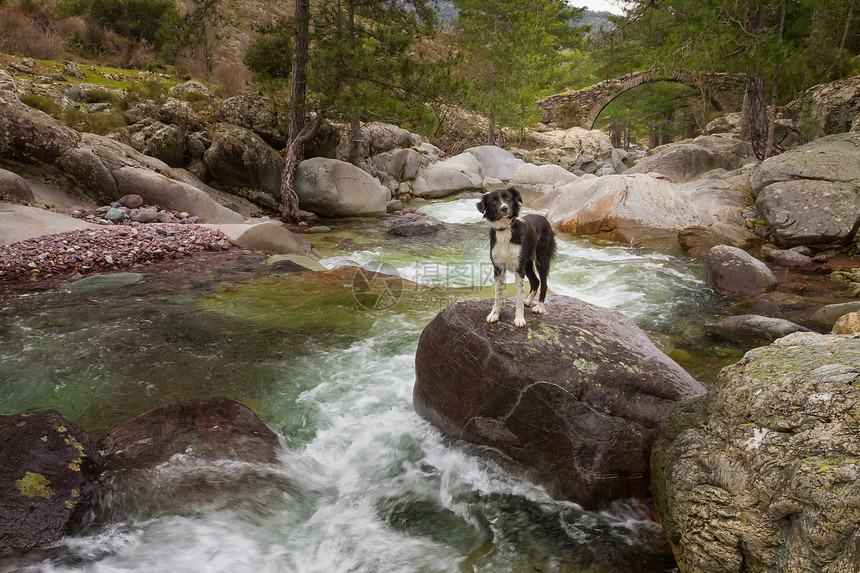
{"type": "Point", "coordinates": [519, 317]}
{"type": "Point", "coordinates": [497, 302]}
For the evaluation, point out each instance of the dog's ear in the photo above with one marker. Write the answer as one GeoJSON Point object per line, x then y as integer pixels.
{"type": "Point", "coordinates": [482, 204]}
{"type": "Point", "coordinates": [517, 197]}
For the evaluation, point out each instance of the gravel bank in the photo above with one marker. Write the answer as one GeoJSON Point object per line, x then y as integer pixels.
{"type": "Point", "coordinates": [90, 251]}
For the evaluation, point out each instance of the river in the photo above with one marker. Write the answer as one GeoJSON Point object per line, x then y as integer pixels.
{"type": "Point", "coordinates": [363, 484]}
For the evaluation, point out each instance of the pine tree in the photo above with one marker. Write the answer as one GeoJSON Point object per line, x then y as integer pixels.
{"type": "Point", "coordinates": [514, 54]}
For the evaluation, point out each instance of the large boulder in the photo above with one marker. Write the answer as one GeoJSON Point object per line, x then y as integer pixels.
{"type": "Point", "coordinates": [577, 397]}
{"type": "Point", "coordinates": [688, 161]}
{"type": "Point", "coordinates": [536, 181]}
{"type": "Point", "coordinates": [374, 138]}
{"type": "Point", "coordinates": [761, 475]}
{"type": "Point", "coordinates": [459, 173]}
{"type": "Point", "coordinates": [641, 209]}
{"type": "Point", "coordinates": [14, 188]}
{"type": "Point", "coordinates": [29, 135]}
{"type": "Point", "coordinates": [239, 158]}
{"type": "Point", "coordinates": [730, 270]}
{"type": "Point", "coordinates": [332, 188]}
{"type": "Point", "coordinates": [48, 479]}
{"type": "Point", "coordinates": [167, 193]}
{"type": "Point", "coordinates": [578, 149]}
{"type": "Point", "coordinates": [270, 237]}
{"type": "Point", "coordinates": [256, 113]}
{"type": "Point", "coordinates": [495, 161]}
{"type": "Point", "coordinates": [811, 195]}
{"type": "Point", "coordinates": [832, 107]}
{"type": "Point", "coordinates": [752, 330]}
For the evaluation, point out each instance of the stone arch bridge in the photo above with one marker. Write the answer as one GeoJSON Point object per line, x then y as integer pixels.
{"type": "Point", "coordinates": [581, 108]}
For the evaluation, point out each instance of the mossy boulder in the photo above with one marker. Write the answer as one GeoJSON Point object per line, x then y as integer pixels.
{"type": "Point", "coordinates": [576, 397]}
{"type": "Point", "coordinates": [48, 479]}
{"type": "Point", "coordinates": [763, 474]}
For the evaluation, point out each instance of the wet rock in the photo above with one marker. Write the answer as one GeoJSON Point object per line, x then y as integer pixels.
{"type": "Point", "coordinates": [576, 397]}
{"type": "Point", "coordinates": [762, 473]}
{"type": "Point", "coordinates": [48, 479]}
{"type": "Point", "coordinates": [730, 270]}
{"type": "Point", "coordinates": [415, 224]}
{"type": "Point", "coordinates": [103, 282]}
{"type": "Point", "coordinates": [208, 429]}
{"type": "Point", "coordinates": [787, 258]}
{"type": "Point", "coordinates": [750, 330]}
{"type": "Point", "coordinates": [827, 315]}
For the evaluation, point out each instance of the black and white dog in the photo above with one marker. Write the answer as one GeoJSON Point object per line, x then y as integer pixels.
{"type": "Point", "coordinates": [517, 245]}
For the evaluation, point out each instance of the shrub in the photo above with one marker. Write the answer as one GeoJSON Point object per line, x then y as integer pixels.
{"type": "Point", "coordinates": [42, 103]}
{"type": "Point", "coordinates": [102, 96]}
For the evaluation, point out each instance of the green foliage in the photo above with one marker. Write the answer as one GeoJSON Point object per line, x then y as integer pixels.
{"type": "Point", "coordinates": [369, 63]}
{"type": "Point", "coordinates": [270, 54]}
{"type": "Point", "coordinates": [100, 123]}
{"type": "Point", "coordinates": [151, 20]}
{"type": "Point", "coordinates": [40, 102]}
{"type": "Point", "coordinates": [146, 90]}
{"type": "Point", "coordinates": [102, 96]}
{"type": "Point", "coordinates": [516, 52]}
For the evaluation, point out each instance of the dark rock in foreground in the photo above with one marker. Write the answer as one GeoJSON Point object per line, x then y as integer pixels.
{"type": "Point", "coordinates": [577, 396]}
{"type": "Point", "coordinates": [48, 478]}
{"type": "Point", "coordinates": [208, 429]}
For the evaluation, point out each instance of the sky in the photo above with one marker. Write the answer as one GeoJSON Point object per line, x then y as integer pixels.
{"type": "Point", "coordinates": [613, 6]}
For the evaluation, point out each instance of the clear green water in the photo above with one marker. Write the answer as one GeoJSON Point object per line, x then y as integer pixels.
{"type": "Point", "coordinates": [364, 484]}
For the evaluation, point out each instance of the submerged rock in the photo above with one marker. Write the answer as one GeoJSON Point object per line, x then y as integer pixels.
{"type": "Point", "coordinates": [762, 474]}
{"type": "Point", "coordinates": [48, 478]}
{"type": "Point", "coordinates": [209, 429]}
{"type": "Point", "coordinates": [754, 330]}
{"type": "Point", "coordinates": [576, 397]}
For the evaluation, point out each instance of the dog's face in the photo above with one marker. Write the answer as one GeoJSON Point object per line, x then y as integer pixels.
{"type": "Point", "coordinates": [501, 204]}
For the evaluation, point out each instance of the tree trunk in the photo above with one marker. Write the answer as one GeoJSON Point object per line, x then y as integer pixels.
{"type": "Point", "coordinates": [297, 137]}
{"type": "Point", "coordinates": [771, 118]}
{"type": "Point", "coordinates": [753, 126]}
{"type": "Point", "coordinates": [848, 19]}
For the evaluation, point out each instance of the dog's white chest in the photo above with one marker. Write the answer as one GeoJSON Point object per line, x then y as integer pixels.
{"type": "Point", "coordinates": [505, 254]}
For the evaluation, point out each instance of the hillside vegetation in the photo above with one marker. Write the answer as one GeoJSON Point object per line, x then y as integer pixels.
{"type": "Point", "coordinates": [412, 62]}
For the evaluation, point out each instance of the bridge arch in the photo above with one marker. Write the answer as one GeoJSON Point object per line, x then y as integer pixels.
{"type": "Point", "coordinates": [582, 107]}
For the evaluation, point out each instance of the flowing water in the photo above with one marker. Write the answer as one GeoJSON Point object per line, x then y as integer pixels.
{"type": "Point", "coordinates": [363, 484]}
